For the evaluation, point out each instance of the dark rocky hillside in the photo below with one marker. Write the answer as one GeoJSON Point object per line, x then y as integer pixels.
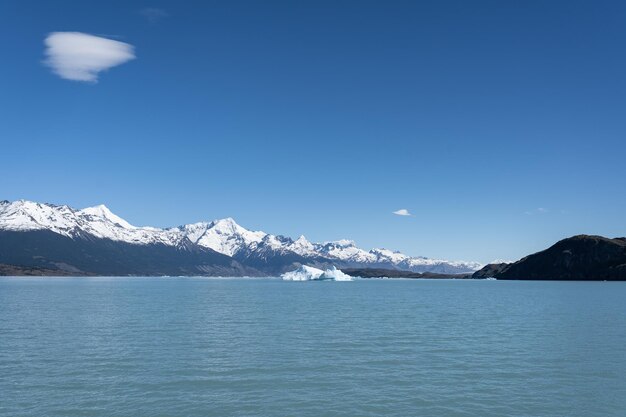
{"type": "Point", "coordinates": [581, 257]}
{"type": "Point", "coordinates": [394, 273]}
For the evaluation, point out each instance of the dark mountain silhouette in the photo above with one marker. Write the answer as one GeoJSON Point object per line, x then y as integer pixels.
{"type": "Point", "coordinates": [581, 257]}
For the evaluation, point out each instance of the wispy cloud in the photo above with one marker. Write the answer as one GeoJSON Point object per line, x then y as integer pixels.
{"type": "Point", "coordinates": [153, 14]}
{"type": "Point", "coordinates": [539, 210]}
{"type": "Point", "coordinates": [402, 212]}
{"type": "Point", "coordinates": [81, 57]}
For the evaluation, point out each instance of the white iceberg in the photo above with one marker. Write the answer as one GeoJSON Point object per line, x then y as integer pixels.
{"type": "Point", "coordinates": [304, 273]}
{"type": "Point", "coordinates": [308, 273]}
{"type": "Point", "coordinates": [336, 275]}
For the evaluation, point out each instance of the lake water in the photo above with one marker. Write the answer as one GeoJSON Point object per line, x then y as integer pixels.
{"type": "Point", "coordinates": [237, 347]}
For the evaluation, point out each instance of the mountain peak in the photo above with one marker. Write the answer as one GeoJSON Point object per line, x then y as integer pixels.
{"type": "Point", "coordinates": [99, 210]}
{"type": "Point", "coordinates": [102, 207]}
{"type": "Point", "coordinates": [302, 246]}
{"type": "Point", "coordinates": [224, 236]}
{"type": "Point", "coordinates": [344, 243]}
{"type": "Point", "coordinates": [227, 226]}
{"type": "Point", "coordinates": [103, 212]}
{"type": "Point", "coordinates": [227, 220]}
{"type": "Point", "coordinates": [302, 240]}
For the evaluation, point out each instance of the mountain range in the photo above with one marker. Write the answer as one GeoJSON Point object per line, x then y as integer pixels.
{"type": "Point", "coordinates": [95, 241]}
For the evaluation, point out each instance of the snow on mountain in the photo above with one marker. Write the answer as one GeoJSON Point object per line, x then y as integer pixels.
{"type": "Point", "coordinates": [348, 252]}
{"type": "Point", "coordinates": [420, 263]}
{"type": "Point", "coordinates": [224, 236]}
{"type": "Point", "coordinates": [26, 215]}
{"type": "Point", "coordinates": [387, 255]}
{"type": "Point", "coordinates": [302, 246]}
{"type": "Point", "coordinates": [103, 212]}
{"type": "Point", "coordinates": [345, 250]}
{"type": "Point", "coordinates": [97, 221]}
{"type": "Point", "coordinates": [100, 222]}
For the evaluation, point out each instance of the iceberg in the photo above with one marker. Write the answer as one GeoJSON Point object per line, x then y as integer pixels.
{"type": "Point", "coordinates": [304, 273]}
{"type": "Point", "coordinates": [308, 273]}
{"type": "Point", "coordinates": [336, 275]}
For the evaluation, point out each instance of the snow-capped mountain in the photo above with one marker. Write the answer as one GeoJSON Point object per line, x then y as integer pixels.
{"type": "Point", "coordinates": [266, 253]}
{"type": "Point", "coordinates": [95, 221]}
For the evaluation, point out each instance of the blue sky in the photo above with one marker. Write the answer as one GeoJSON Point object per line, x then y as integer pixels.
{"type": "Point", "coordinates": [499, 125]}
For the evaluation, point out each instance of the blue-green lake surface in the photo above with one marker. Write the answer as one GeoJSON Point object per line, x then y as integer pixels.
{"type": "Point", "coordinates": [263, 347]}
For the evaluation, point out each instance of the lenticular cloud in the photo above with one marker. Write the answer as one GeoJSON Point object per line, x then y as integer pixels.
{"type": "Point", "coordinates": [81, 57]}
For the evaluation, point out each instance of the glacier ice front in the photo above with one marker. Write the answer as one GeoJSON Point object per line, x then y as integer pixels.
{"type": "Point", "coordinates": [308, 273]}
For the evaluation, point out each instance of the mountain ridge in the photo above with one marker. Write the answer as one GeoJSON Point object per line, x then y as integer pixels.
{"type": "Point", "coordinates": [256, 252]}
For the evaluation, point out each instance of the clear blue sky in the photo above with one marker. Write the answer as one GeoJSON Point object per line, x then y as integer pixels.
{"type": "Point", "coordinates": [501, 126]}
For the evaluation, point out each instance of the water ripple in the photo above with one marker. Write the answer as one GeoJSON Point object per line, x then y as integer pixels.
{"type": "Point", "coordinates": [201, 347]}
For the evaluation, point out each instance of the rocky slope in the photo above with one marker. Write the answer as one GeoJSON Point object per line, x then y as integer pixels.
{"type": "Point", "coordinates": [581, 257]}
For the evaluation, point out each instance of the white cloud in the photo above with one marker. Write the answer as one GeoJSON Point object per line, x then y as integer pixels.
{"type": "Point", "coordinates": [402, 212]}
{"type": "Point", "coordinates": [153, 14]}
{"type": "Point", "coordinates": [81, 57]}
{"type": "Point", "coordinates": [539, 210]}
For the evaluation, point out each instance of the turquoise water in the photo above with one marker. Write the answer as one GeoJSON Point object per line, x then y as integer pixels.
{"type": "Point", "coordinates": [211, 347]}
